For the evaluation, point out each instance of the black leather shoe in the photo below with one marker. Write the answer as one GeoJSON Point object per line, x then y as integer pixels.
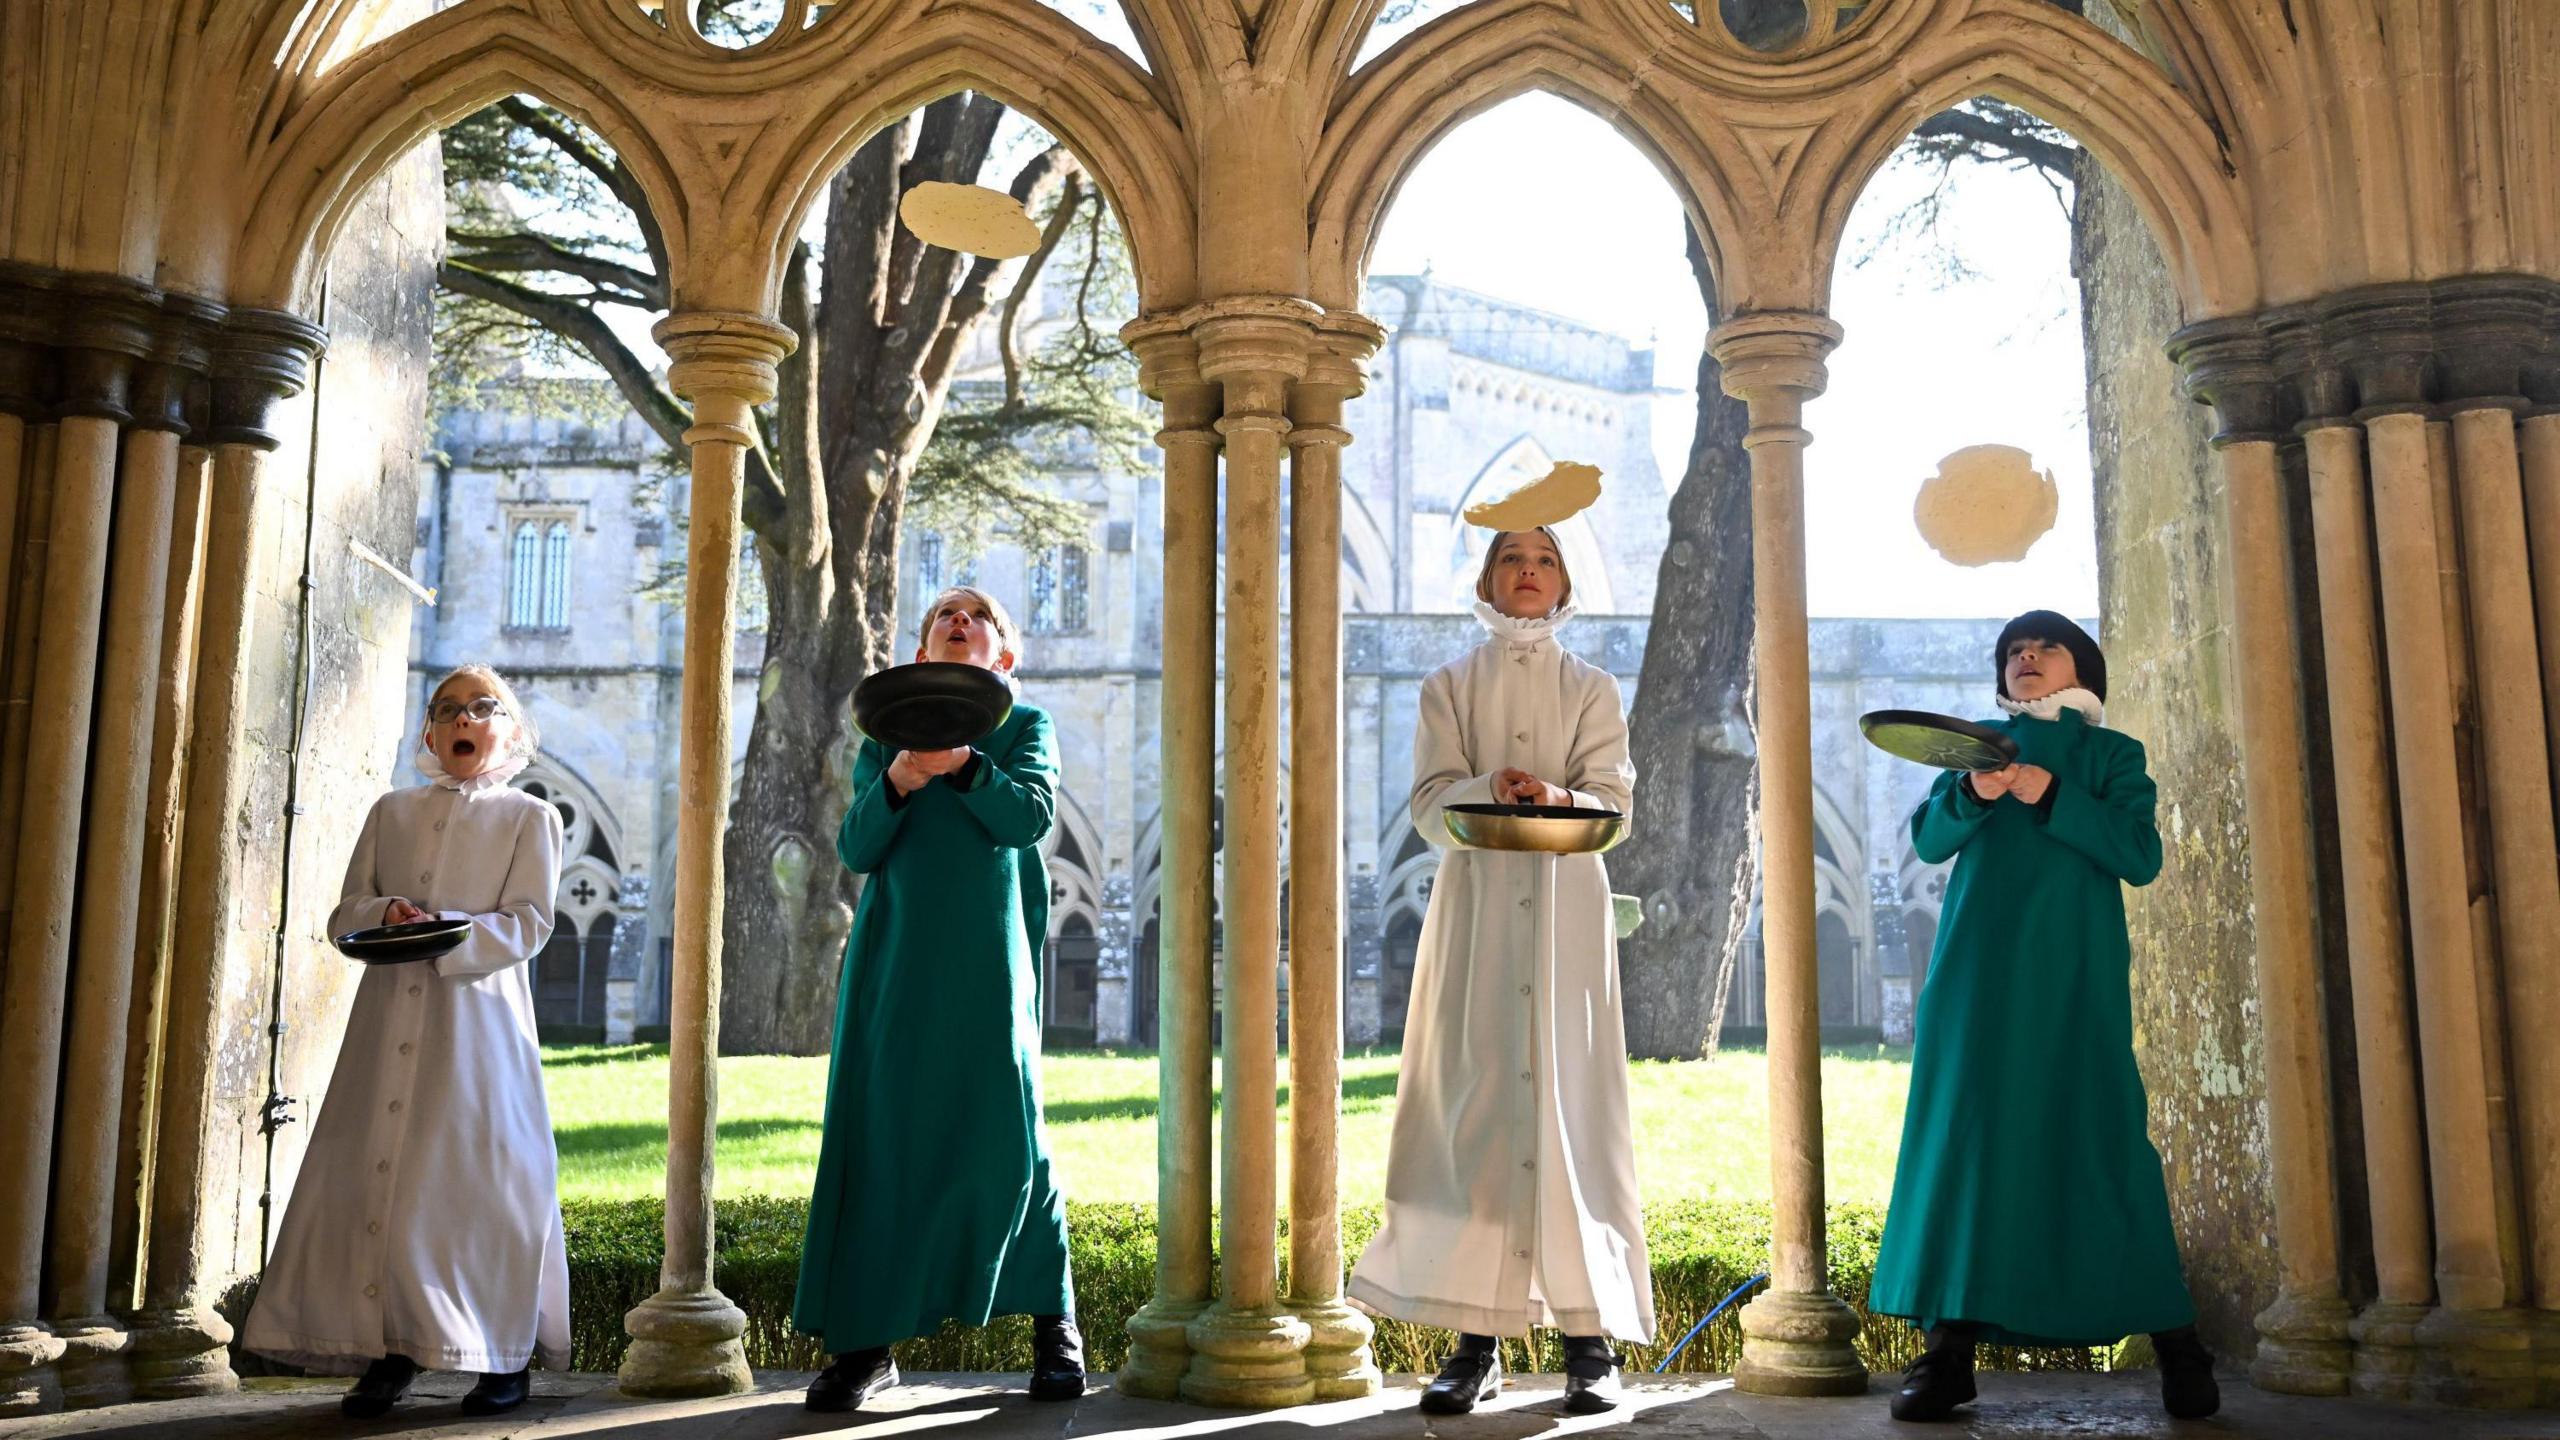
{"type": "Point", "coordinates": [1472, 1376]}
{"type": "Point", "coordinates": [1057, 1358]}
{"type": "Point", "coordinates": [384, 1382]}
{"type": "Point", "coordinates": [1941, 1379]}
{"type": "Point", "coordinates": [853, 1377]}
{"type": "Point", "coordinates": [498, 1394]}
{"type": "Point", "coordinates": [2187, 1386]}
{"type": "Point", "coordinates": [1591, 1383]}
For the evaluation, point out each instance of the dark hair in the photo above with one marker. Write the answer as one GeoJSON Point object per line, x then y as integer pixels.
{"type": "Point", "coordinates": [2053, 628]}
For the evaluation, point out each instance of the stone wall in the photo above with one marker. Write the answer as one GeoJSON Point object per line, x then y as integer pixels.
{"type": "Point", "coordinates": [2163, 590]}
{"type": "Point", "coordinates": [347, 471]}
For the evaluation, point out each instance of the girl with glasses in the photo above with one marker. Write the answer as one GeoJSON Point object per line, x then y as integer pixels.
{"type": "Point", "coordinates": [425, 1230]}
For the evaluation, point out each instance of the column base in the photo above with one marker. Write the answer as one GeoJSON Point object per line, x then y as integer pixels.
{"type": "Point", "coordinates": [1247, 1359]}
{"type": "Point", "coordinates": [2387, 1355]}
{"type": "Point", "coordinates": [684, 1345]}
{"type": "Point", "coordinates": [2546, 1358]}
{"type": "Point", "coordinates": [1338, 1361]}
{"type": "Point", "coordinates": [28, 1385]}
{"type": "Point", "coordinates": [179, 1353]}
{"type": "Point", "coordinates": [1796, 1343]}
{"type": "Point", "coordinates": [94, 1366]}
{"type": "Point", "coordinates": [1159, 1349]}
{"type": "Point", "coordinates": [2479, 1358]}
{"type": "Point", "coordinates": [2302, 1346]}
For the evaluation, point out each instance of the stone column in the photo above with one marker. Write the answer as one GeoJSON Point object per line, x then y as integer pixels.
{"type": "Point", "coordinates": [93, 1363]}
{"type": "Point", "coordinates": [107, 330]}
{"type": "Point", "coordinates": [2491, 327]}
{"type": "Point", "coordinates": [2466, 1337]}
{"type": "Point", "coordinates": [1796, 1335]}
{"type": "Point", "coordinates": [2302, 1345]}
{"type": "Point", "coordinates": [155, 889]}
{"type": "Point", "coordinates": [1159, 1344]}
{"type": "Point", "coordinates": [2385, 1332]}
{"type": "Point", "coordinates": [1247, 1350]}
{"type": "Point", "coordinates": [177, 1344]}
{"type": "Point", "coordinates": [1338, 1361]}
{"type": "Point", "coordinates": [27, 1350]}
{"type": "Point", "coordinates": [685, 1338]}
{"type": "Point", "coordinates": [2540, 432]}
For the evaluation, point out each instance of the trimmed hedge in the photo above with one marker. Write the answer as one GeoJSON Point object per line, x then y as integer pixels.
{"type": "Point", "coordinates": [1701, 1251]}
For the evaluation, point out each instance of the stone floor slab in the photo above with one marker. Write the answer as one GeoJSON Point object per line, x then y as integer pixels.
{"type": "Point", "coordinates": [982, 1407]}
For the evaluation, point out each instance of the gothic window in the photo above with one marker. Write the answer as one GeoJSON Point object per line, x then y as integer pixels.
{"type": "Point", "coordinates": [1060, 590]}
{"type": "Point", "coordinates": [929, 564]}
{"type": "Point", "coordinates": [538, 573]}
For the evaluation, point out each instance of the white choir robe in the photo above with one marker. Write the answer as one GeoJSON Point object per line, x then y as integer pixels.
{"type": "Point", "coordinates": [1511, 1185]}
{"type": "Point", "coordinates": [426, 1219]}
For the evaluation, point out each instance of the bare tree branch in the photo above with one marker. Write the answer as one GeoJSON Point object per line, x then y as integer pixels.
{"type": "Point", "coordinates": [617, 176]}
{"type": "Point", "coordinates": [522, 250]}
{"type": "Point", "coordinates": [1009, 323]}
{"type": "Point", "coordinates": [2013, 142]}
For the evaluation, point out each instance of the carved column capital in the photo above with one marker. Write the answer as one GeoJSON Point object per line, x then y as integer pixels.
{"type": "Point", "coordinates": [723, 363]}
{"type": "Point", "coordinates": [261, 358]}
{"type": "Point", "coordinates": [2488, 327]}
{"type": "Point", "coordinates": [1167, 353]}
{"type": "Point", "coordinates": [106, 328]}
{"type": "Point", "coordinates": [1768, 354]}
{"type": "Point", "coordinates": [2228, 363]}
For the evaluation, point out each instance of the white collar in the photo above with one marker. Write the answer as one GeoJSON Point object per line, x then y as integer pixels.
{"type": "Point", "coordinates": [2091, 708]}
{"type": "Point", "coordinates": [1524, 634]}
{"type": "Point", "coordinates": [489, 779]}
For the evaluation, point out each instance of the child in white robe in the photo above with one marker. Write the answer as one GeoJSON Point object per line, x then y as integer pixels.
{"type": "Point", "coordinates": [1511, 1189]}
{"type": "Point", "coordinates": [424, 1232]}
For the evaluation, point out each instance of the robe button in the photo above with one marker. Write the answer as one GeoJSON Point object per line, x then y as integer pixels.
{"type": "Point", "coordinates": [406, 1047]}
{"type": "Point", "coordinates": [1521, 735]}
{"type": "Point", "coordinates": [415, 990]}
{"type": "Point", "coordinates": [1524, 902]}
{"type": "Point", "coordinates": [1523, 1254]}
{"type": "Point", "coordinates": [1524, 989]}
{"type": "Point", "coordinates": [1525, 1075]}
{"type": "Point", "coordinates": [1528, 1164]}
{"type": "Point", "coordinates": [372, 1290]}
{"type": "Point", "coordinates": [425, 875]}
{"type": "Point", "coordinates": [439, 824]}
{"type": "Point", "coordinates": [395, 1107]}
{"type": "Point", "coordinates": [373, 1227]}
{"type": "Point", "coordinates": [381, 1167]}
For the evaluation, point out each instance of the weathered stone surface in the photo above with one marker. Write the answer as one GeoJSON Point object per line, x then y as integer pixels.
{"type": "Point", "coordinates": [2161, 585]}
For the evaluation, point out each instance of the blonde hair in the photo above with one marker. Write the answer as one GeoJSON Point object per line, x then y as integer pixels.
{"type": "Point", "coordinates": [528, 736]}
{"type": "Point", "coordinates": [1006, 632]}
{"type": "Point", "coordinates": [1484, 572]}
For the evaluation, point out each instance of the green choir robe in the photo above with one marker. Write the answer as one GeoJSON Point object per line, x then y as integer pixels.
{"type": "Point", "coordinates": [2027, 1197]}
{"type": "Point", "coordinates": [934, 1197]}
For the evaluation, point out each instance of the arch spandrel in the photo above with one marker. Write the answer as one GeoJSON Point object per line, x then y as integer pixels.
{"type": "Point", "coordinates": [731, 164]}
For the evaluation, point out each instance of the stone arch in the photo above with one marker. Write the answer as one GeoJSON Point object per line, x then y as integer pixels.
{"type": "Point", "coordinates": [2106, 95]}
{"type": "Point", "coordinates": [1113, 116]}
{"type": "Point", "coordinates": [1073, 851]}
{"type": "Point", "coordinates": [392, 96]}
{"type": "Point", "coordinates": [1394, 110]}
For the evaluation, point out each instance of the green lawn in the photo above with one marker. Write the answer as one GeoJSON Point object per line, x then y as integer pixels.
{"type": "Point", "coordinates": [1702, 1129]}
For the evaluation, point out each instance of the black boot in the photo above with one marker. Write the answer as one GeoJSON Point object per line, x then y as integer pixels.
{"type": "Point", "coordinates": [498, 1394]}
{"type": "Point", "coordinates": [1591, 1383]}
{"type": "Point", "coordinates": [1057, 1358]}
{"type": "Point", "coordinates": [852, 1378]}
{"type": "Point", "coordinates": [2187, 1386]}
{"type": "Point", "coordinates": [1472, 1376]}
{"type": "Point", "coordinates": [1941, 1379]}
{"type": "Point", "coordinates": [384, 1382]}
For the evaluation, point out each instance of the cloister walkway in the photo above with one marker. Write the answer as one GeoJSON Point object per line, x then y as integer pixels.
{"type": "Point", "coordinates": [982, 1407]}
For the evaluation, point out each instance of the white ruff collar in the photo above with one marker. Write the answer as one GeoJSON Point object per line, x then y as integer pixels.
{"type": "Point", "coordinates": [1524, 633]}
{"type": "Point", "coordinates": [2091, 708]}
{"type": "Point", "coordinates": [489, 779]}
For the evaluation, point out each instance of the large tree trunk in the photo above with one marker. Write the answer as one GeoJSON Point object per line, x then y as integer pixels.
{"type": "Point", "coordinates": [1691, 857]}
{"type": "Point", "coordinates": [859, 403]}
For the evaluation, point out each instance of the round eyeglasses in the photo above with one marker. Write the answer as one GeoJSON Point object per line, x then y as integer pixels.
{"type": "Point", "coordinates": [445, 712]}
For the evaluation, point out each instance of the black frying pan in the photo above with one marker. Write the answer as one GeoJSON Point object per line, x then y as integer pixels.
{"type": "Point", "coordinates": [931, 705]}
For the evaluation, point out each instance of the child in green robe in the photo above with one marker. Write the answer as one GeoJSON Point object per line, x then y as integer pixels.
{"type": "Point", "coordinates": [2028, 1204]}
{"type": "Point", "coordinates": [934, 1197]}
